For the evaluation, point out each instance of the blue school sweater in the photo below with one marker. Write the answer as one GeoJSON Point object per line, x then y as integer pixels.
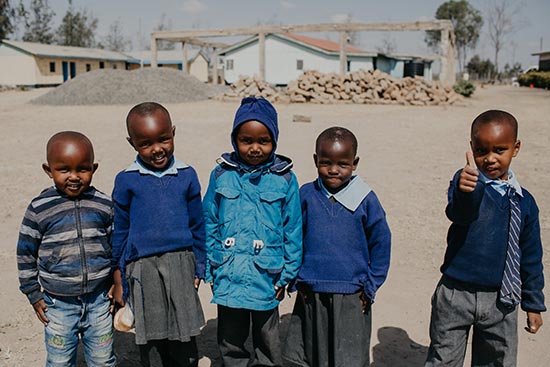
{"type": "Point", "coordinates": [155, 215]}
{"type": "Point", "coordinates": [344, 250]}
{"type": "Point", "coordinates": [477, 241]}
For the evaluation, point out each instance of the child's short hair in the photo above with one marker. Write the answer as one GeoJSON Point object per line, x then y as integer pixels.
{"type": "Point", "coordinates": [495, 116]}
{"type": "Point", "coordinates": [73, 136]}
{"type": "Point", "coordinates": [145, 109]}
{"type": "Point", "coordinates": [334, 134]}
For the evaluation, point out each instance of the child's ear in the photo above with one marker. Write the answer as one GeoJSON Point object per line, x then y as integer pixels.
{"type": "Point", "coordinates": [516, 148]}
{"type": "Point", "coordinates": [95, 166]}
{"type": "Point", "coordinates": [47, 170]}
{"type": "Point", "coordinates": [129, 140]}
{"type": "Point", "coordinates": [355, 163]}
{"type": "Point", "coordinates": [173, 131]}
{"type": "Point", "coordinates": [315, 160]}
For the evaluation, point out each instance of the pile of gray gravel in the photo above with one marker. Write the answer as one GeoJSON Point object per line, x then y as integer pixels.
{"type": "Point", "coordinates": [109, 87]}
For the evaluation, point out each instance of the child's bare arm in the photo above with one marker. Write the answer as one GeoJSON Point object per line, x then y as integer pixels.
{"type": "Point", "coordinates": [40, 308]}
{"type": "Point", "coordinates": [534, 322]}
{"type": "Point", "coordinates": [469, 175]}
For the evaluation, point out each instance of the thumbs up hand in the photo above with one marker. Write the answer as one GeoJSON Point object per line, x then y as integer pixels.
{"type": "Point", "coordinates": [469, 175]}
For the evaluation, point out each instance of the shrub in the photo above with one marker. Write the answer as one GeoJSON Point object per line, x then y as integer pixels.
{"type": "Point", "coordinates": [539, 79]}
{"type": "Point", "coordinates": [465, 88]}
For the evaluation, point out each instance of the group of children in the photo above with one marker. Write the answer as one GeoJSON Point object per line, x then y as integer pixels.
{"type": "Point", "coordinates": [256, 235]}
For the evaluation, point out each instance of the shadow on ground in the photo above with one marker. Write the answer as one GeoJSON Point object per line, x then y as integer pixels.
{"type": "Point", "coordinates": [396, 349]}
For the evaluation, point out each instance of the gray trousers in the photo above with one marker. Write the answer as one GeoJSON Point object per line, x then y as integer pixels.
{"type": "Point", "coordinates": [456, 308]}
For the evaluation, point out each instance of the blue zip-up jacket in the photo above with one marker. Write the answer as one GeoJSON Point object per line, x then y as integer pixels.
{"type": "Point", "coordinates": [64, 244]}
{"type": "Point", "coordinates": [477, 241]}
{"type": "Point", "coordinates": [253, 232]}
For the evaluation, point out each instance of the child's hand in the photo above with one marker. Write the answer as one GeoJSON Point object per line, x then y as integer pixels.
{"type": "Point", "coordinates": [197, 283]}
{"type": "Point", "coordinates": [534, 322]}
{"type": "Point", "coordinates": [116, 296]}
{"type": "Point", "coordinates": [279, 293]}
{"type": "Point", "coordinates": [40, 308]}
{"type": "Point", "coordinates": [469, 175]}
{"type": "Point", "coordinates": [365, 301]}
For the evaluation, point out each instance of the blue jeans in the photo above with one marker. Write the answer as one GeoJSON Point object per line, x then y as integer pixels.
{"type": "Point", "coordinates": [85, 316]}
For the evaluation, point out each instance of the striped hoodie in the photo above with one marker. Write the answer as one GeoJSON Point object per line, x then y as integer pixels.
{"type": "Point", "coordinates": [64, 244]}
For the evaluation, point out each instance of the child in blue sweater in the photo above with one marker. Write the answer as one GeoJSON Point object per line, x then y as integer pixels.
{"type": "Point", "coordinates": [493, 260]}
{"type": "Point", "coordinates": [253, 236]}
{"type": "Point", "coordinates": [158, 241]}
{"type": "Point", "coordinates": [346, 258]}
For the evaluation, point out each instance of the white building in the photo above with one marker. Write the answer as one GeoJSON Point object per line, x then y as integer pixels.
{"type": "Point", "coordinates": [288, 55]}
{"type": "Point", "coordinates": [36, 64]}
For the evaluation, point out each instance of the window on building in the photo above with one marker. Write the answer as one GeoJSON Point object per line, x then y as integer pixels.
{"type": "Point", "coordinates": [88, 67]}
{"type": "Point", "coordinates": [299, 64]}
{"type": "Point", "coordinates": [229, 64]}
{"type": "Point", "coordinates": [114, 66]}
{"type": "Point", "coordinates": [348, 66]}
{"type": "Point", "coordinates": [52, 67]}
{"type": "Point", "coordinates": [101, 65]}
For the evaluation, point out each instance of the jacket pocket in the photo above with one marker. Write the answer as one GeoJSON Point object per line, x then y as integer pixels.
{"type": "Point", "coordinates": [271, 215]}
{"type": "Point", "coordinates": [228, 203]}
{"type": "Point", "coordinates": [221, 263]}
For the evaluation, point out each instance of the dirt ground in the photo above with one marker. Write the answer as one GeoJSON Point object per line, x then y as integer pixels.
{"type": "Point", "coordinates": [408, 155]}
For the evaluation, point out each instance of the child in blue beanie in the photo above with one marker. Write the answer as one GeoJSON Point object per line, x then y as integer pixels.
{"type": "Point", "coordinates": [253, 236]}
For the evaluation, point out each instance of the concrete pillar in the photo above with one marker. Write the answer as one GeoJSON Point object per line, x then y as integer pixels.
{"type": "Point", "coordinates": [184, 58]}
{"type": "Point", "coordinates": [447, 76]}
{"type": "Point", "coordinates": [261, 56]}
{"type": "Point", "coordinates": [215, 66]}
{"type": "Point", "coordinates": [153, 52]}
{"type": "Point", "coordinates": [343, 55]}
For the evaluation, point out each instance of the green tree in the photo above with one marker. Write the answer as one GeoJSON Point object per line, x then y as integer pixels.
{"type": "Point", "coordinates": [467, 22]}
{"type": "Point", "coordinates": [38, 22]}
{"type": "Point", "coordinates": [7, 13]}
{"type": "Point", "coordinates": [480, 69]}
{"type": "Point", "coordinates": [77, 28]}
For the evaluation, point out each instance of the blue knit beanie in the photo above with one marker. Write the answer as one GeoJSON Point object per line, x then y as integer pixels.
{"type": "Point", "coordinates": [258, 109]}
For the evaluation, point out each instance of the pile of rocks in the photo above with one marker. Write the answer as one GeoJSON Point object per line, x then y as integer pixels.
{"type": "Point", "coordinates": [108, 87]}
{"type": "Point", "coordinates": [253, 86]}
{"type": "Point", "coordinates": [371, 86]}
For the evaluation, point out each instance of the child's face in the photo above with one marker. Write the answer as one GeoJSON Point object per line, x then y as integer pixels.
{"type": "Point", "coordinates": [335, 162]}
{"type": "Point", "coordinates": [493, 146]}
{"type": "Point", "coordinates": [152, 136]}
{"type": "Point", "coordinates": [70, 166]}
{"type": "Point", "coordinates": [254, 143]}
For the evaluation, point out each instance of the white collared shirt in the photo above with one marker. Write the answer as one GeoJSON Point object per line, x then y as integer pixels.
{"type": "Point", "coordinates": [350, 196]}
{"type": "Point", "coordinates": [171, 170]}
{"type": "Point", "coordinates": [501, 186]}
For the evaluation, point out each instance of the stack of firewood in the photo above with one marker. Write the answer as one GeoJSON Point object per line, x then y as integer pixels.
{"type": "Point", "coordinates": [373, 87]}
{"type": "Point", "coordinates": [369, 87]}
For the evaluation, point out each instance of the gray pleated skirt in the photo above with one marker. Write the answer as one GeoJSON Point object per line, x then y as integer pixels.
{"type": "Point", "coordinates": [328, 330]}
{"type": "Point", "coordinates": [162, 294]}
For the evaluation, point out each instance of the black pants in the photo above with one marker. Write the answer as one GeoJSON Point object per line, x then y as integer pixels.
{"type": "Point", "coordinates": [169, 353]}
{"type": "Point", "coordinates": [233, 330]}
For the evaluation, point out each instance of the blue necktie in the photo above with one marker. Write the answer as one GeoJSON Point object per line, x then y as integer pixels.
{"type": "Point", "coordinates": [510, 291]}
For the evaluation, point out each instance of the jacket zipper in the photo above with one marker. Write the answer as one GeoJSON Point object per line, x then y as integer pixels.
{"type": "Point", "coordinates": [82, 250]}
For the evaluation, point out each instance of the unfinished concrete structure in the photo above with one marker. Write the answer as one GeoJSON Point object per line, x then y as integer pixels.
{"type": "Point", "coordinates": [194, 36]}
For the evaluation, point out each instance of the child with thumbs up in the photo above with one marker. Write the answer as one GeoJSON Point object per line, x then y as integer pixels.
{"type": "Point", "coordinates": [493, 260]}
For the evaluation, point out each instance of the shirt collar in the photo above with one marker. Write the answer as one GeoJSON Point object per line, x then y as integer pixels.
{"type": "Point", "coordinates": [350, 196]}
{"type": "Point", "coordinates": [172, 169]}
{"type": "Point", "coordinates": [501, 186]}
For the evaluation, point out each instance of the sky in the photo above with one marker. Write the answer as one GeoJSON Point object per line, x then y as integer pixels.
{"type": "Point", "coordinates": [138, 17]}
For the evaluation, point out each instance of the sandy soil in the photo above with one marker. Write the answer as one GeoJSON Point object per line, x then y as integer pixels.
{"type": "Point", "coordinates": [408, 155]}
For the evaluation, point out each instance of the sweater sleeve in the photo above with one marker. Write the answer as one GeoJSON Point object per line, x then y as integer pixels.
{"type": "Point", "coordinates": [379, 242]}
{"type": "Point", "coordinates": [532, 279]}
{"type": "Point", "coordinates": [121, 221]}
{"type": "Point", "coordinates": [30, 237]}
{"type": "Point", "coordinates": [196, 224]}
{"type": "Point", "coordinates": [463, 207]}
{"type": "Point", "coordinates": [292, 233]}
{"type": "Point", "coordinates": [210, 212]}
